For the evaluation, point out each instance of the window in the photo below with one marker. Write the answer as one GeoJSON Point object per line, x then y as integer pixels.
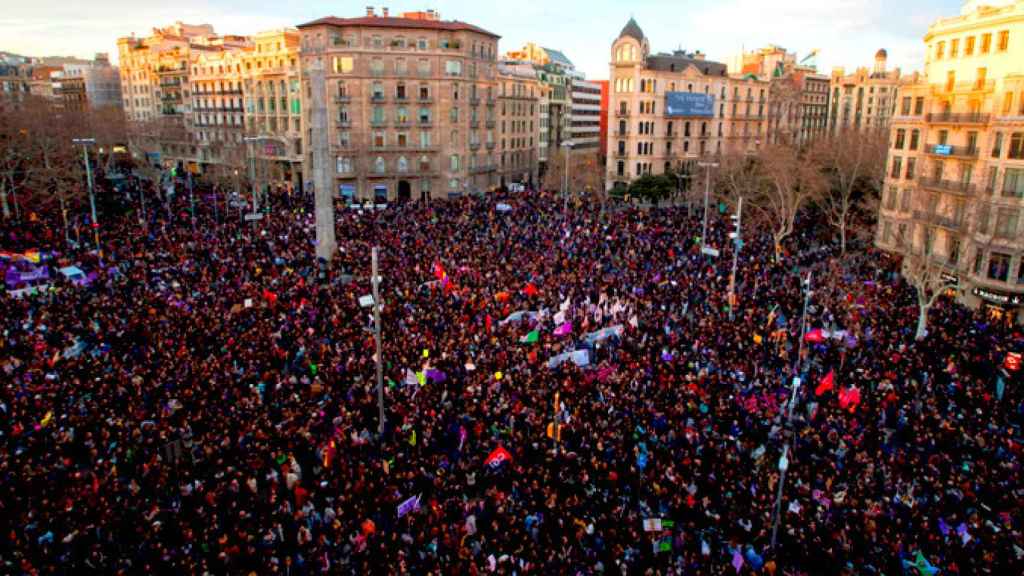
{"type": "Point", "coordinates": [969, 46]}
{"type": "Point", "coordinates": [979, 80]}
{"type": "Point", "coordinates": [344, 165]}
{"type": "Point", "coordinates": [379, 166]}
{"type": "Point", "coordinates": [1007, 103]}
{"type": "Point", "coordinates": [897, 167]}
{"type": "Point", "coordinates": [954, 48]}
{"type": "Point", "coordinates": [342, 64]}
{"type": "Point", "coordinates": [1016, 146]}
{"type": "Point", "coordinates": [379, 140]}
{"type": "Point", "coordinates": [423, 67]}
{"type": "Point", "coordinates": [905, 107]}
{"type": "Point", "coordinates": [915, 136]}
{"type": "Point", "coordinates": [424, 115]}
{"type": "Point", "coordinates": [378, 115]}
{"type": "Point", "coordinates": [997, 145]}
{"type": "Point", "coordinates": [453, 163]}
{"type": "Point", "coordinates": [998, 266]}
{"type": "Point", "coordinates": [1013, 183]}
{"type": "Point", "coordinates": [620, 168]}
{"type": "Point", "coordinates": [952, 249]}
{"type": "Point", "coordinates": [403, 164]}
{"type": "Point", "coordinates": [911, 166]}
{"type": "Point", "coordinates": [1006, 223]}
{"type": "Point", "coordinates": [901, 137]}
{"type": "Point", "coordinates": [421, 43]}
{"type": "Point", "coordinates": [453, 67]}
{"type": "Point", "coordinates": [979, 257]}
{"type": "Point", "coordinates": [424, 139]}
{"type": "Point", "coordinates": [402, 115]}
{"type": "Point", "coordinates": [424, 164]}
{"type": "Point", "coordinates": [950, 80]}
{"type": "Point", "coordinates": [377, 91]}
{"type": "Point", "coordinates": [377, 67]}
{"type": "Point", "coordinates": [343, 116]}
{"type": "Point", "coordinates": [919, 105]}
{"type": "Point", "coordinates": [453, 114]}
{"type": "Point", "coordinates": [344, 139]}
{"type": "Point", "coordinates": [986, 43]}
{"type": "Point", "coordinates": [1004, 40]}
{"type": "Point", "coordinates": [940, 50]}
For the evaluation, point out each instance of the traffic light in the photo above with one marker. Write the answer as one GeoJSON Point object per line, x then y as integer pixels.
{"type": "Point", "coordinates": [735, 233]}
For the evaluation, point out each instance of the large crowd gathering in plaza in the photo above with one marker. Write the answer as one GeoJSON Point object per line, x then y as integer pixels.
{"type": "Point", "coordinates": [566, 392]}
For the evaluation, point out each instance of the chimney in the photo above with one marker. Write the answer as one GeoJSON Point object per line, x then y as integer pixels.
{"type": "Point", "coordinates": [385, 12]}
{"type": "Point", "coordinates": [369, 11]}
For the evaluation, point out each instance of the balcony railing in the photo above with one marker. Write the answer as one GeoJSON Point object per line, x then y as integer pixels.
{"type": "Point", "coordinates": [490, 145]}
{"type": "Point", "coordinates": [343, 98]}
{"type": "Point", "coordinates": [947, 185]}
{"type": "Point", "coordinates": [960, 87]}
{"type": "Point", "coordinates": [950, 222]}
{"type": "Point", "coordinates": [948, 150]}
{"type": "Point", "coordinates": [625, 133]}
{"type": "Point", "coordinates": [950, 118]}
{"type": "Point", "coordinates": [474, 145]}
{"type": "Point", "coordinates": [622, 114]}
{"type": "Point", "coordinates": [376, 98]}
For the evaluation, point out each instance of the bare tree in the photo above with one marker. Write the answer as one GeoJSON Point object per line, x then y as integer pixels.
{"type": "Point", "coordinates": [854, 163]}
{"type": "Point", "coordinates": [925, 273]}
{"type": "Point", "coordinates": [586, 175]}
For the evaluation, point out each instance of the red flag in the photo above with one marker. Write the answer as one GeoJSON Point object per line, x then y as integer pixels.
{"type": "Point", "coordinates": [488, 323]}
{"type": "Point", "coordinates": [269, 296]}
{"type": "Point", "coordinates": [849, 398]}
{"type": "Point", "coordinates": [827, 383]}
{"type": "Point", "coordinates": [498, 457]}
{"type": "Point", "coordinates": [530, 290]}
{"type": "Point", "coordinates": [815, 336]}
{"type": "Point", "coordinates": [439, 272]}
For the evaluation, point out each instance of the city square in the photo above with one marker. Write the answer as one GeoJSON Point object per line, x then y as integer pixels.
{"type": "Point", "coordinates": [367, 295]}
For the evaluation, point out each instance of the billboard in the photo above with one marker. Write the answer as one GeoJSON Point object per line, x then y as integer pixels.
{"type": "Point", "coordinates": [689, 104]}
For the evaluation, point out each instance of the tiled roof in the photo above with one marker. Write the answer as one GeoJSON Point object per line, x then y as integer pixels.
{"type": "Point", "coordinates": [668, 62]}
{"type": "Point", "coordinates": [389, 22]}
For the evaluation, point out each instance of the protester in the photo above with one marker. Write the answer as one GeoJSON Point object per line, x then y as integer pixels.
{"type": "Point", "coordinates": [209, 404]}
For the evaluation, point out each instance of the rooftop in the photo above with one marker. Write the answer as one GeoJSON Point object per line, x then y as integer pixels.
{"type": "Point", "coordinates": [679, 63]}
{"type": "Point", "coordinates": [402, 23]}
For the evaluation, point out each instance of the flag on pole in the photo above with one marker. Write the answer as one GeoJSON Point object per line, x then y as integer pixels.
{"type": "Point", "coordinates": [564, 329]}
{"type": "Point", "coordinates": [530, 290]}
{"type": "Point", "coordinates": [827, 383]}
{"type": "Point", "coordinates": [815, 336]}
{"type": "Point", "coordinates": [409, 505]}
{"type": "Point", "coordinates": [498, 457]}
{"type": "Point", "coordinates": [530, 338]}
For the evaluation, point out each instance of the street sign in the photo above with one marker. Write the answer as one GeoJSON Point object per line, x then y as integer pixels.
{"type": "Point", "coordinates": [253, 217]}
{"type": "Point", "coordinates": [707, 250]}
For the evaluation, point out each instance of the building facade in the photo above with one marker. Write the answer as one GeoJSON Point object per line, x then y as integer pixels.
{"type": "Point", "coordinates": [954, 187]}
{"type": "Point", "coordinates": [585, 117]}
{"type": "Point", "coordinates": [411, 101]}
{"type": "Point", "coordinates": [668, 110]}
{"type": "Point", "coordinates": [864, 99]}
{"type": "Point", "coordinates": [519, 97]}
{"type": "Point", "coordinates": [86, 84]}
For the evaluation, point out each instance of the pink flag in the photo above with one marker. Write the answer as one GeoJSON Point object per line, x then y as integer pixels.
{"type": "Point", "coordinates": [564, 330]}
{"type": "Point", "coordinates": [737, 561]}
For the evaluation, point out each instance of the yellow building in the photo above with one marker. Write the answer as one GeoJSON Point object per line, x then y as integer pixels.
{"type": "Point", "coordinates": [864, 99]}
{"type": "Point", "coordinates": [955, 178]}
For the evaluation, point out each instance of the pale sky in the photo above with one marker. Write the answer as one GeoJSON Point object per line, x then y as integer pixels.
{"type": "Point", "coordinates": [847, 32]}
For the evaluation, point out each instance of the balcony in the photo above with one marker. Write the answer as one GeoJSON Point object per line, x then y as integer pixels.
{"type": "Point", "coordinates": [943, 221]}
{"type": "Point", "coordinates": [964, 87]}
{"type": "Point", "coordinates": [950, 151]}
{"type": "Point", "coordinates": [474, 145]}
{"type": "Point", "coordinates": [425, 100]}
{"type": "Point", "coordinates": [403, 123]}
{"type": "Point", "coordinates": [377, 98]}
{"type": "Point", "coordinates": [378, 122]}
{"type": "Point", "coordinates": [947, 185]}
{"type": "Point", "coordinates": [426, 122]}
{"type": "Point", "coordinates": [401, 99]}
{"type": "Point", "coordinates": [342, 98]}
{"type": "Point", "coordinates": [950, 118]}
{"type": "Point", "coordinates": [490, 145]}
{"type": "Point", "coordinates": [490, 102]}
{"type": "Point", "coordinates": [482, 169]}
{"type": "Point", "coordinates": [344, 123]}
{"type": "Point", "coordinates": [489, 124]}
{"type": "Point", "coordinates": [474, 123]}
{"type": "Point", "coordinates": [622, 113]}
{"type": "Point", "coordinates": [474, 101]}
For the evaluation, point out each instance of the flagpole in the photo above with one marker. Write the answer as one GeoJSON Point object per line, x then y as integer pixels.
{"type": "Point", "coordinates": [375, 281]}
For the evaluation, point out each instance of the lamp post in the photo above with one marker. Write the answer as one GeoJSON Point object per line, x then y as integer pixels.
{"type": "Point", "coordinates": [249, 140]}
{"type": "Point", "coordinates": [784, 460]}
{"type": "Point", "coordinates": [737, 244]}
{"type": "Point", "coordinates": [565, 198]}
{"type": "Point", "coordinates": [707, 193]}
{"type": "Point", "coordinates": [376, 331]}
{"type": "Point", "coordinates": [85, 142]}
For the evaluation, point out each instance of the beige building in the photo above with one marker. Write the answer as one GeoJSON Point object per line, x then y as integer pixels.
{"type": "Point", "coordinates": [955, 179]}
{"type": "Point", "coordinates": [519, 97]}
{"type": "Point", "coordinates": [668, 110]}
{"type": "Point", "coordinates": [866, 98]}
{"type": "Point", "coordinates": [411, 101]}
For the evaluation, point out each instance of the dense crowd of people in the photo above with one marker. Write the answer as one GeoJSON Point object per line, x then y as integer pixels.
{"type": "Point", "coordinates": [565, 393]}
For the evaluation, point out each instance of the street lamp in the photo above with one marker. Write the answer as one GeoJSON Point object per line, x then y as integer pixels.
{"type": "Point", "coordinates": [565, 198]}
{"type": "Point", "coordinates": [85, 142]}
{"type": "Point", "coordinates": [784, 460]}
{"type": "Point", "coordinates": [249, 140]}
{"type": "Point", "coordinates": [707, 194]}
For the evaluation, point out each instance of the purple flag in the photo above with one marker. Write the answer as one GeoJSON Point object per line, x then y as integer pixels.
{"type": "Point", "coordinates": [737, 561]}
{"type": "Point", "coordinates": [409, 505]}
{"type": "Point", "coordinates": [564, 330]}
{"type": "Point", "coordinates": [436, 375]}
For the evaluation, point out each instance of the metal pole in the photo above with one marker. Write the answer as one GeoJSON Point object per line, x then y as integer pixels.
{"type": "Point", "coordinates": [735, 257]}
{"type": "Point", "coordinates": [142, 202]}
{"type": "Point", "coordinates": [252, 182]}
{"type": "Point", "coordinates": [789, 414]}
{"type": "Point", "coordinates": [191, 202]}
{"type": "Point", "coordinates": [92, 200]}
{"type": "Point", "coordinates": [565, 187]}
{"type": "Point", "coordinates": [707, 194]}
{"type": "Point", "coordinates": [375, 281]}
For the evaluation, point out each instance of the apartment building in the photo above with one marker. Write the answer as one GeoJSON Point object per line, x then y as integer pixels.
{"type": "Point", "coordinates": [519, 97]}
{"type": "Point", "coordinates": [217, 124]}
{"type": "Point", "coordinates": [585, 117]}
{"type": "Point", "coordinates": [411, 101]}
{"type": "Point", "coordinates": [668, 110]}
{"type": "Point", "coordinates": [86, 83]}
{"type": "Point", "coordinates": [864, 99]}
{"type": "Point", "coordinates": [954, 187]}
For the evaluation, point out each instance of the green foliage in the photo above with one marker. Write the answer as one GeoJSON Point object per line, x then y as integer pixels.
{"type": "Point", "coordinates": [652, 188]}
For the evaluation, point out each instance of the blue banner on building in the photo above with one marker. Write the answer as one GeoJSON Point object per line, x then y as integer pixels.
{"type": "Point", "coordinates": [689, 104]}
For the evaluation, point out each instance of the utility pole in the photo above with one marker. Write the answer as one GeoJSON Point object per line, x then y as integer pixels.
{"type": "Point", "coordinates": [252, 178]}
{"type": "Point", "coordinates": [85, 142]}
{"type": "Point", "coordinates": [784, 460]}
{"type": "Point", "coordinates": [375, 281]}
{"type": "Point", "coordinates": [191, 201]}
{"type": "Point", "coordinates": [737, 244]}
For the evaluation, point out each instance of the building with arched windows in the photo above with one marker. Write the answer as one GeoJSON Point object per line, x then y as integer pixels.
{"type": "Point", "coordinates": [668, 110]}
